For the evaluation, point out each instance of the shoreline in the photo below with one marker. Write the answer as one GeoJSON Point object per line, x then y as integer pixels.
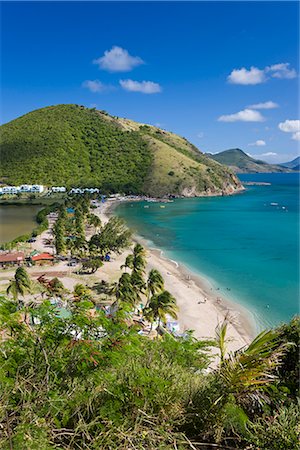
{"type": "Point", "coordinates": [200, 306]}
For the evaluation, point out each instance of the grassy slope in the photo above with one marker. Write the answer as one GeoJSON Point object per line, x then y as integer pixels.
{"type": "Point", "coordinates": [72, 145]}
{"type": "Point", "coordinates": [239, 161]}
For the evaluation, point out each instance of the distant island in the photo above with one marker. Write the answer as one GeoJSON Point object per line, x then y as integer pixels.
{"type": "Point", "coordinates": [294, 164]}
{"type": "Point", "coordinates": [239, 162]}
{"type": "Point", "coordinates": [75, 146]}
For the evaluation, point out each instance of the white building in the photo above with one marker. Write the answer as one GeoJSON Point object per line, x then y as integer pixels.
{"type": "Point", "coordinates": [10, 189]}
{"type": "Point", "coordinates": [35, 188]}
{"type": "Point", "coordinates": [58, 189]}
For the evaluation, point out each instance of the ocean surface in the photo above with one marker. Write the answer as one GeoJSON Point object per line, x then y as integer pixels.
{"type": "Point", "coordinates": [247, 245]}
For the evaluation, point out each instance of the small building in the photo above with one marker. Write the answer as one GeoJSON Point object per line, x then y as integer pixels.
{"type": "Point", "coordinates": [42, 258]}
{"type": "Point", "coordinates": [37, 188]}
{"type": "Point", "coordinates": [12, 258]}
{"type": "Point", "coordinates": [58, 189]}
{"type": "Point", "coordinates": [10, 189]}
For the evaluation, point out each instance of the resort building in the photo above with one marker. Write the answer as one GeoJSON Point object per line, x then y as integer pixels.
{"type": "Point", "coordinates": [58, 189]}
{"type": "Point", "coordinates": [12, 258]}
{"type": "Point", "coordinates": [42, 258]}
{"type": "Point", "coordinates": [30, 188]}
{"type": "Point", "coordinates": [83, 190]}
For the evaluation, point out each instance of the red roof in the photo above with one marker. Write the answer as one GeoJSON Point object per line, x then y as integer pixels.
{"type": "Point", "coordinates": [12, 257]}
{"type": "Point", "coordinates": [42, 256]}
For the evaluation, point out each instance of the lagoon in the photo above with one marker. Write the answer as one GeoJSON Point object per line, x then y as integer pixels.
{"type": "Point", "coordinates": [16, 221]}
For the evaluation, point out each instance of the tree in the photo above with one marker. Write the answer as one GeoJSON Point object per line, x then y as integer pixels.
{"type": "Point", "coordinates": [20, 285]}
{"type": "Point", "coordinates": [114, 236]}
{"type": "Point", "coordinates": [95, 221]}
{"type": "Point", "coordinates": [161, 305]}
{"type": "Point", "coordinates": [248, 372]}
{"type": "Point", "coordinates": [56, 287]}
{"type": "Point", "coordinates": [155, 283]}
{"type": "Point", "coordinates": [128, 262]}
{"type": "Point", "coordinates": [91, 265]}
{"type": "Point", "coordinates": [124, 291]}
{"type": "Point", "coordinates": [82, 293]}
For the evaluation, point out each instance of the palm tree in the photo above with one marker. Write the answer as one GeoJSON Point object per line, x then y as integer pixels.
{"type": "Point", "coordinates": [155, 283]}
{"type": "Point", "coordinates": [19, 285]}
{"type": "Point", "coordinates": [128, 262]}
{"type": "Point", "coordinates": [161, 305]}
{"type": "Point", "coordinates": [139, 258]}
{"type": "Point", "coordinates": [248, 372]}
{"type": "Point", "coordinates": [138, 283]}
{"type": "Point", "coordinates": [82, 293]}
{"type": "Point", "coordinates": [95, 221]}
{"type": "Point", "coordinates": [221, 339]}
{"type": "Point", "coordinates": [124, 291]}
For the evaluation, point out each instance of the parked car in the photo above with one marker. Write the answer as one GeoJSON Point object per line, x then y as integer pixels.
{"type": "Point", "coordinates": [72, 263]}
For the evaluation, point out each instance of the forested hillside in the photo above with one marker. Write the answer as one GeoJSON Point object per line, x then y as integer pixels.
{"type": "Point", "coordinates": [76, 146]}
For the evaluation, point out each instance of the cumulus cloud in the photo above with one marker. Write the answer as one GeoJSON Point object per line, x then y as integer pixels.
{"type": "Point", "coordinates": [247, 115]}
{"type": "Point", "coordinates": [244, 76]}
{"type": "Point", "coordinates": [146, 87]}
{"type": "Point", "coordinates": [291, 126]}
{"type": "Point", "coordinates": [258, 143]}
{"type": "Point", "coordinates": [282, 71]}
{"type": "Point", "coordinates": [94, 85]}
{"type": "Point", "coordinates": [118, 60]}
{"type": "Point", "coordinates": [296, 136]}
{"type": "Point", "coordinates": [254, 75]}
{"type": "Point", "coordinates": [264, 105]}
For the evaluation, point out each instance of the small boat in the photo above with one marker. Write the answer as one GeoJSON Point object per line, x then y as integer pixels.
{"type": "Point", "coordinates": [146, 206]}
{"type": "Point", "coordinates": [162, 206]}
{"type": "Point", "coordinates": [274, 204]}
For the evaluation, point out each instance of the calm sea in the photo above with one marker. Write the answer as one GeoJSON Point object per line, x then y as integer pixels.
{"type": "Point", "coordinates": [247, 244]}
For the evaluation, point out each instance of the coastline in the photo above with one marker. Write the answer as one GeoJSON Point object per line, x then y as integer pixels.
{"type": "Point", "coordinates": [200, 307]}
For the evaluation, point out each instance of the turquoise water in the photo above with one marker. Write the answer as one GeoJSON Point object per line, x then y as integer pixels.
{"type": "Point", "coordinates": [247, 246]}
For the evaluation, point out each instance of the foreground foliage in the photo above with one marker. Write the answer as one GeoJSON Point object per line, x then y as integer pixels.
{"type": "Point", "coordinates": [90, 381]}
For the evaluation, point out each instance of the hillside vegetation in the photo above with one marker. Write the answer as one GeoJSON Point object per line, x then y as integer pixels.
{"type": "Point", "coordinates": [75, 146]}
{"type": "Point", "coordinates": [240, 162]}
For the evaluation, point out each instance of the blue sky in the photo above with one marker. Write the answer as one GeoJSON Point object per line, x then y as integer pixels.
{"type": "Point", "coordinates": [221, 74]}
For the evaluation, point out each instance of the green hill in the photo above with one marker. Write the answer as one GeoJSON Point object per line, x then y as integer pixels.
{"type": "Point", "coordinates": [75, 146]}
{"type": "Point", "coordinates": [240, 162]}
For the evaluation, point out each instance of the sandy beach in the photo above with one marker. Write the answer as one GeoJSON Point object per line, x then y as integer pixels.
{"type": "Point", "coordinates": [200, 305]}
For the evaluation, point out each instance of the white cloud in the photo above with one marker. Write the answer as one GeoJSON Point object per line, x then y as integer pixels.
{"type": "Point", "coordinates": [296, 136]}
{"type": "Point", "coordinates": [94, 85]}
{"type": "Point", "coordinates": [264, 105]}
{"type": "Point", "coordinates": [247, 115]}
{"type": "Point", "coordinates": [269, 154]}
{"type": "Point", "coordinates": [282, 71]}
{"type": "Point", "coordinates": [291, 126]}
{"type": "Point", "coordinates": [244, 76]}
{"type": "Point", "coordinates": [118, 60]}
{"type": "Point", "coordinates": [258, 143]}
{"type": "Point", "coordinates": [146, 87]}
{"type": "Point", "coordinates": [200, 135]}
{"type": "Point", "coordinates": [254, 75]}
